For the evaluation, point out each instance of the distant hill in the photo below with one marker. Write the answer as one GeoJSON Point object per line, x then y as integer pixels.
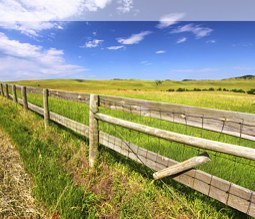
{"type": "Point", "coordinates": [246, 77]}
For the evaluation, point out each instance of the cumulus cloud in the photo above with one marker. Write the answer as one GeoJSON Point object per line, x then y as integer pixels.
{"type": "Point", "coordinates": [21, 60]}
{"type": "Point", "coordinates": [134, 38]}
{"type": "Point", "coordinates": [169, 20]}
{"type": "Point", "coordinates": [115, 47]}
{"type": "Point", "coordinates": [181, 40]}
{"type": "Point", "coordinates": [31, 17]}
{"type": "Point", "coordinates": [31, 29]}
{"type": "Point", "coordinates": [93, 43]}
{"type": "Point", "coordinates": [94, 5]}
{"type": "Point", "coordinates": [38, 10]}
{"type": "Point", "coordinates": [125, 6]}
{"type": "Point", "coordinates": [160, 52]}
{"type": "Point", "coordinates": [195, 29]}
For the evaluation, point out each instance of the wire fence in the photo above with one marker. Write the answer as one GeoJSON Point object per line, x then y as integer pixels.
{"type": "Point", "coordinates": [221, 128]}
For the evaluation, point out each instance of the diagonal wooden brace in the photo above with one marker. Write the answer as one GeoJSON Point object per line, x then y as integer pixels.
{"type": "Point", "coordinates": [183, 166]}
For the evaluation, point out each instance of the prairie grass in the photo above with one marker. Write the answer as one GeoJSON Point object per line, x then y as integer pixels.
{"type": "Point", "coordinates": [56, 160]}
{"type": "Point", "coordinates": [149, 91]}
{"type": "Point", "coordinates": [236, 170]}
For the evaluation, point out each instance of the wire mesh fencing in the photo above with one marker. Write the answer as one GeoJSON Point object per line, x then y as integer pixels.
{"type": "Point", "coordinates": [72, 110]}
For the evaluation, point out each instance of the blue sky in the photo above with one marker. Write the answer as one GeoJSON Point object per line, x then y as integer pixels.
{"type": "Point", "coordinates": [139, 50]}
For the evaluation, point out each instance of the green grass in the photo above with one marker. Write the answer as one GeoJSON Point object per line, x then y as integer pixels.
{"type": "Point", "coordinates": [56, 159]}
{"type": "Point", "coordinates": [53, 184]}
{"type": "Point", "coordinates": [149, 91]}
{"type": "Point", "coordinates": [236, 170]}
{"type": "Point", "coordinates": [83, 85]}
{"type": "Point", "coordinates": [232, 168]}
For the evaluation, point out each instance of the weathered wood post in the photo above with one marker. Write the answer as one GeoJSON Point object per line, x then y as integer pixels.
{"type": "Point", "coordinates": [24, 97]}
{"type": "Point", "coordinates": [46, 107]}
{"type": "Point", "coordinates": [14, 93]}
{"type": "Point", "coordinates": [6, 91]}
{"type": "Point", "coordinates": [2, 89]}
{"type": "Point", "coordinates": [93, 130]}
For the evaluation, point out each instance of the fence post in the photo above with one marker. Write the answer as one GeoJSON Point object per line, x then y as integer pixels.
{"type": "Point", "coordinates": [24, 97]}
{"type": "Point", "coordinates": [7, 91]}
{"type": "Point", "coordinates": [46, 107]}
{"type": "Point", "coordinates": [14, 93]}
{"type": "Point", "coordinates": [93, 130]}
{"type": "Point", "coordinates": [2, 89]}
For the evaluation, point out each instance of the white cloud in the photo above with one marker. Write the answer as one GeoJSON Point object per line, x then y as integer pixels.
{"type": "Point", "coordinates": [169, 20]}
{"type": "Point", "coordinates": [160, 52]}
{"type": "Point", "coordinates": [211, 41]}
{"type": "Point", "coordinates": [38, 10]}
{"type": "Point", "coordinates": [93, 43]}
{"type": "Point", "coordinates": [181, 40]}
{"type": "Point", "coordinates": [115, 47]}
{"type": "Point", "coordinates": [94, 5]}
{"type": "Point", "coordinates": [146, 62]}
{"type": "Point", "coordinates": [134, 39]}
{"type": "Point", "coordinates": [31, 29]}
{"type": "Point", "coordinates": [195, 29]}
{"type": "Point", "coordinates": [125, 6]}
{"type": "Point", "coordinates": [24, 60]}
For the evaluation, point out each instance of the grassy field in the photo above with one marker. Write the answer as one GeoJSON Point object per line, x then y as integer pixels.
{"type": "Point", "coordinates": [56, 160]}
{"type": "Point", "coordinates": [148, 90]}
{"type": "Point", "coordinates": [89, 85]}
{"type": "Point", "coordinates": [234, 170]}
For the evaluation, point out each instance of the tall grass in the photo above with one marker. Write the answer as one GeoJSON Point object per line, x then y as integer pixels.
{"type": "Point", "coordinates": [117, 188]}
{"type": "Point", "coordinates": [236, 170]}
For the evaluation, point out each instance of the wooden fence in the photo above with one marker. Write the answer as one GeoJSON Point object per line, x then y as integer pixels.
{"type": "Point", "coordinates": [230, 123]}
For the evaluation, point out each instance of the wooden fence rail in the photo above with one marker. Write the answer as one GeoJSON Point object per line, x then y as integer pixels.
{"type": "Point", "coordinates": [226, 192]}
{"type": "Point", "coordinates": [232, 123]}
{"type": "Point", "coordinates": [238, 151]}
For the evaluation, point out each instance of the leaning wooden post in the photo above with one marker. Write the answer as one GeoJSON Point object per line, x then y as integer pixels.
{"type": "Point", "coordinates": [2, 89]}
{"type": "Point", "coordinates": [183, 166]}
{"type": "Point", "coordinates": [93, 130]}
{"type": "Point", "coordinates": [14, 93]}
{"type": "Point", "coordinates": [7, 91]}
{"type": "Point", "coordinates": [46, 107]}
{"type": "Point", "coordinates": [24, 97]}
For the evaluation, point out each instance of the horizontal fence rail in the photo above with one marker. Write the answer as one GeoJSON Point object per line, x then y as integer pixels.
{"type": "Point", "coordinates": [74, 96]}
{"type": "Point", "coordinates": [238, 151]}
{"type": "Point", "coordinates": [224, 191]}
{"type": "Point", "coordinates": [232, 123]}
{"type": "Point", "coordinates": [227, 122]}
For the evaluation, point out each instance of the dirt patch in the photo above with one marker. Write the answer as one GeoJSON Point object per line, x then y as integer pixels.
{"type": "Point", "coordinates": [16, 200]}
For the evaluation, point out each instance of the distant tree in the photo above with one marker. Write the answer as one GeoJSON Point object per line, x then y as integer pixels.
{"type": "Point", "coordinates": [238, 90]}
{"type": "Point", "coordinates": [196, 89]}
{"type": "Point", "coordinates": [251, 91]}
{"type": "Point", "coordinates": [158, 82]}
{"type": "Point", "coordinates": [170, 90]}
{"type": "Point", "coordinates": [181, 89]}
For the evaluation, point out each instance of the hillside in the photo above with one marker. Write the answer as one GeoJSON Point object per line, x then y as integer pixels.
{"type": "Point", "coordinates": [93, 85]}
{"type": "Point", "coordinates": [245, 77]}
